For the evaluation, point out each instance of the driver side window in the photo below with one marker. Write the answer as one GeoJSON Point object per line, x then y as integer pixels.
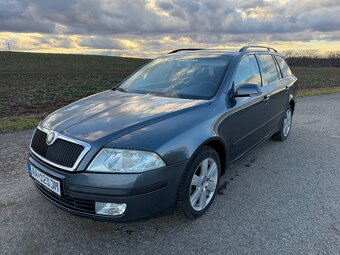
{"type": "Point", "coordinates": [247, 72]}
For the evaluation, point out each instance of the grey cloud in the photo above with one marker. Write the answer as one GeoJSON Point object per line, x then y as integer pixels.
{"type": "Point", "coordinates": [101, 43]}
{"type": "Point", "coordinates": [204, 21]}
{"type": "Point", "coordinates": [252, 3]}
{"type": "Point", "coordinates": [166, 6]}
{"type": "Point", "coordinates": [321, 20]}
{"type": "Point", "coordinates": [20, 17]}
{"type": "Point", "coordinates": [21, 25]}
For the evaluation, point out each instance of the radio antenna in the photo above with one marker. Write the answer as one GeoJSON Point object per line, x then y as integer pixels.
{"type": "Point", "coordinates": [251, 39]}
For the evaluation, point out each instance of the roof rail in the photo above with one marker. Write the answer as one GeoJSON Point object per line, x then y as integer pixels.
{"type": "Point", "coordinates": [174, 51]}
{"type": "Point", "coordinates": [246, 48]}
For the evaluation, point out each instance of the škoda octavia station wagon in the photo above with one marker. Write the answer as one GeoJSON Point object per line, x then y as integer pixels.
{"type": "Point", "coordinates": [163, 137]}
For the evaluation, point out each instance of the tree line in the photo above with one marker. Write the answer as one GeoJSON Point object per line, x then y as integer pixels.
{"type": "Point", "coordinates": [312, 58]}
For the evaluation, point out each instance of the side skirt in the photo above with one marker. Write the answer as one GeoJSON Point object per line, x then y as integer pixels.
{"type": "Point", "coordinates": [242, 156]}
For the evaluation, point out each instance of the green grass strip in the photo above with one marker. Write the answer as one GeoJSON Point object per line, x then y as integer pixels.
{"type": "Point", "coordinates": [17, 124]}
{"type": "Point", "coordinates": [318, 91]}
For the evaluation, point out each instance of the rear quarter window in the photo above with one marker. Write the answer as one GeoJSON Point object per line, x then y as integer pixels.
{"type": "Point", "coordinates": [268, 68]}
{"type": "Point", "coordinates": [285, 70]}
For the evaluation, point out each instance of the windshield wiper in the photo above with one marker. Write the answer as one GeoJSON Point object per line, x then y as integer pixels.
{"type": "Point", "coordinates": [119, 89]}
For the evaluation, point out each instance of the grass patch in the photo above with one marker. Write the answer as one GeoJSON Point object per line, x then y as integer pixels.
{"type": "Point", "coordinates": [16, 124]}
{"type": "Point", "coordinates": [317, 91]}
{"type": "Point", "coordinates": [33, 83]}
{"type": "Point", "coordinates": [317, 77]}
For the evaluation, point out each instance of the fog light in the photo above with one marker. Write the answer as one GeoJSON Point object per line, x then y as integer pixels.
{"type": "Point", "coordinates": [112, 209]}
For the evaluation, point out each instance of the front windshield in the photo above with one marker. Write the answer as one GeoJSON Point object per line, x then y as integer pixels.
{"type": "Point", "coordinates": [193, 77]}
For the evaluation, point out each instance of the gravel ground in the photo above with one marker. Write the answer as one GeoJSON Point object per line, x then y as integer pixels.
{"type": "Point", "coordinates": [284, 198]}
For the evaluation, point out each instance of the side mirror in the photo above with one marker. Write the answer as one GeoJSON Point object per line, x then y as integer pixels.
{"type": "Point", "coordinates": [247, 90]}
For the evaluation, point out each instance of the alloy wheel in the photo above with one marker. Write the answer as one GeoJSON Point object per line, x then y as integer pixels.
{"type": "Point", "coordinates": [287, 122]}
{"type": "Point", "coordinates": [203, 184]}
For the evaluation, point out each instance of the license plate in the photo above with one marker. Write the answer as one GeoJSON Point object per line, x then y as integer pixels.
{"type": "Point", "coordinates": [50, 183]}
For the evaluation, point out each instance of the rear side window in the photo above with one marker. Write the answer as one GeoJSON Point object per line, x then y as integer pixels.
{"type": "Point", "coordinates": [247, 72]}
{"type": "Point", "coordinates": [283, 66]}
{"type": "Point", "coordinates": [268, 68]}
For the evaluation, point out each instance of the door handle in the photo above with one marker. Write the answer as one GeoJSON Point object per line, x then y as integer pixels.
{"type": "Point", "coordinates": [265, 98]}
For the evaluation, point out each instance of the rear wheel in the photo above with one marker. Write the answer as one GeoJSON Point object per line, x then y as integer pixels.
{"type": "Point", "coordinates": [199, 183]}
{"type": "Point", "coordinates": [285, 125]}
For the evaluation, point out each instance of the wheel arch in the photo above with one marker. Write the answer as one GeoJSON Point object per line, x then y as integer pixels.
{"type": "Point", "coordinates": [218, 145]}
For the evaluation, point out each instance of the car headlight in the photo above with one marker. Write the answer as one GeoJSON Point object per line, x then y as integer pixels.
{"type": "Point", "coordinates": [125, 161]}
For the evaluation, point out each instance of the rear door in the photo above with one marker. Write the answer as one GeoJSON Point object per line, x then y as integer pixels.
{"type": "Point", "coordinates": [277, 90]}
{"type": "Point", "coordinates": [248, 114]}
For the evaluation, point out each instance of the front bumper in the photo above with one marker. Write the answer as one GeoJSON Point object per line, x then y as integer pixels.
{"type": "Point", "coordinates": [148, 194]}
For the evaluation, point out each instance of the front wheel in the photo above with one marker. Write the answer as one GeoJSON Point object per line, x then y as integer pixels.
{"type": "Point", "coordinates": [285, 125]}
{"type": "Point", "coordinates": [199, 183]}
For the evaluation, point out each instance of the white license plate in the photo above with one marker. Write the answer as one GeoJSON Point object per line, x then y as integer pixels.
{"type": "Point", "coordinates": [50, 183]}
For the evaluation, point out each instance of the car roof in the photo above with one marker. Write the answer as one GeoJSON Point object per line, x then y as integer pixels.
{"type": "Point", "coordinates": [204, 52]}
{"type": "Point", "coordinates": [244, 50]}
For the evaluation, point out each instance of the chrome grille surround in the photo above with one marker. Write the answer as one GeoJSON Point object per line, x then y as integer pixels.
{"type": "Point", "coordinates": [86, 149]}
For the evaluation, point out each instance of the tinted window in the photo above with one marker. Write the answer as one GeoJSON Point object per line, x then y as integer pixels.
{"type": "Point", "coordinates": [268, 68]}
{"type": "Point", "coordinates": [196, 76]}
{"type": "Point", "coordinates": [283, 66]}
{"type": "Point", "coordinates": [247, 72]}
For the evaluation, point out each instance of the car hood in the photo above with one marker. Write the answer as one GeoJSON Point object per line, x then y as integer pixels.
{"type": "Point", "coordinates": [111, 114]}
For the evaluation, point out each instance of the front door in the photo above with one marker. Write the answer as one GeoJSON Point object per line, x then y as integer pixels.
{"type": "Point", "coordinates": [248, 114]}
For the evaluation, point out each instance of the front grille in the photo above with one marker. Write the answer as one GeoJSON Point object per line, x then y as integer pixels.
{"type": "Point", "coordinates": [61, 152]}
{"type": "Point", "coordinates": [80, 205]}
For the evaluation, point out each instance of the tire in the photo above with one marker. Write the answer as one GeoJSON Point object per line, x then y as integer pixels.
{"type": "Point", "coordinates": [284, 131]}
{"type": "Point", "coordinates": [203, 186]}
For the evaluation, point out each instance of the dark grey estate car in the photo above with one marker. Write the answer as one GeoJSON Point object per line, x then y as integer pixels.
{"type": "Point", "coordinates": [162, 138]}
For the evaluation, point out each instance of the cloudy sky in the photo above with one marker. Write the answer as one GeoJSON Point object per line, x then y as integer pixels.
{"type": "Point", "coordinates": [148, 28]}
